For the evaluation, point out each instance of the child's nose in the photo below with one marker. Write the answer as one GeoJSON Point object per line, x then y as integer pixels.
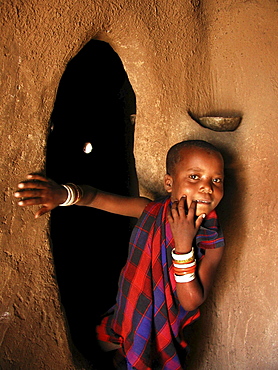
{"type": "Point", "coordinates": [206, 187]}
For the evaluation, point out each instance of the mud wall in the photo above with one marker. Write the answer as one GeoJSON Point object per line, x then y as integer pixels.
{"type": "Point", "coordinates": [184, 59]}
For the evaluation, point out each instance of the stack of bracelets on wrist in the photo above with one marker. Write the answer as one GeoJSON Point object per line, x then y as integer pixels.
{"type": "Point", "coordinates": [184, 266]}
{"type": "Point", "coordinates": [75, 193]}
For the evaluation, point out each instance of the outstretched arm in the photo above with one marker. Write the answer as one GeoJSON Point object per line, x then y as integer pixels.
{"type": "Point", "coordinates": [122, 205]}
{"type": "Point", "coordinates": [184, 228]}
{"type": "Point", "coordinates": [39, 190]}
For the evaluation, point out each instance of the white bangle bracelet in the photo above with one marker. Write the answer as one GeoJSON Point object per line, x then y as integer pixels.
{"type": "Point", "coordinates": [70, 196]}
{"type": "Point", "coordinates": [75, 193]}
{"type": "Point", "coordinates": [184, 265]}
{"type": "Point", "coordinates": [185, 278]}
{"type": "Point", "coordinates": [182, 257]}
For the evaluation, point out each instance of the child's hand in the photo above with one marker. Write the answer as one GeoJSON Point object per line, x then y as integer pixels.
{"type": "Point", "coordinates": [37, 189]}
{"type": "Point", "coordinates": [184, 226]}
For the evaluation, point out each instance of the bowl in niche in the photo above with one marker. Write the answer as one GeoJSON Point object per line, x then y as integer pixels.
{"type": "Point", "coordinates": [220, 123]}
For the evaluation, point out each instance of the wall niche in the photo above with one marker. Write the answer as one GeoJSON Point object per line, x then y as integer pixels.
{"type": "Point", "coordinates": [91, 142]}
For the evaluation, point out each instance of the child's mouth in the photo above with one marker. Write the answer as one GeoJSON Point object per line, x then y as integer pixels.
{"type": "Point", "coordinates": [203, 201]}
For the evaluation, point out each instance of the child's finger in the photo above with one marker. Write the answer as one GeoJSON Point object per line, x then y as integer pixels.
{"type": "Point", "coordinates": [36, 176]}
{"type": "Point", "coordinates": [169, 213]}
{"type": "Point", "coordinates": [32, 184]}
{"type": "Point", "coordinates": [182, 206]}
{"type": "Point", "coordinates": [192, 208]}
{"type": "Point", "coordinates": [174, 206]}
{"type": "Point", "coordinates": [185, 204]}
{"type": "Point", "coordinates": [29, 202]}
{"type": "Point", "coordinates": [200, 220]}
{"type": "Point", "coordinates": [173, 211]}
{"type": "Point", "coordinates": [41, 211]}
{"type": "Point", "coordinates": [28, 193]}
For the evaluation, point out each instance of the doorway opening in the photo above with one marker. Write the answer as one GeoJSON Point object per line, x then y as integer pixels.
{"type": "Point", "coordinates": [91, 142]}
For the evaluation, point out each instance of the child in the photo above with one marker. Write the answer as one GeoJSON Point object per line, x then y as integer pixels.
{"type": "Point", "coordinates": [174, 252]}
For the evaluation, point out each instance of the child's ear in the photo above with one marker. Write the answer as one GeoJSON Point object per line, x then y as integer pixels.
{"type": "Point", "coordinates": [168, 182]}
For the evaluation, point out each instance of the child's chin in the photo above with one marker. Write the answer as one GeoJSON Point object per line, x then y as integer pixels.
{"type": "Point", "coordinates": [202, 209]}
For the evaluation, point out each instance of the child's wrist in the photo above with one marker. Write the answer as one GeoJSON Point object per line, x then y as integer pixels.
{"type": "Point", "coordinates": [184, 266]}
{"type": "Point", "coordinates": [181, 256]}
{"type": "Point", "coordinates": [89, 195]}
{"type": "Point", "coordinates": [74, 194]}
{"type": "Point", "coordinates": [63, 194]}
{"type": "Point", "coordinates": [183, 249]}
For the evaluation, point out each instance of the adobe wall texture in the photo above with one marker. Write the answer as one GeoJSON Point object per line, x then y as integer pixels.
{"type": "Point", "coordinates": [197, 57]}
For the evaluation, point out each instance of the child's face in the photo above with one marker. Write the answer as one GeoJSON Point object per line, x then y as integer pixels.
{"type": "Point", "coordinates": [199, 175]}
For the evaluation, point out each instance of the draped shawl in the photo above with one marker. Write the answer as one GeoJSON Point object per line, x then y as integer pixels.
{"type": "Point", "coordinates": [148, 320]}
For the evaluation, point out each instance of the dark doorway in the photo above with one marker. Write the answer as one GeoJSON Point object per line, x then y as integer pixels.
{"type": "Point", "coordinates": [95, 103]}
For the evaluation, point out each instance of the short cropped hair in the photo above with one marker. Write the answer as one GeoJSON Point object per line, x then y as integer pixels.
{"type": "Point", "coordinates": [173, 155]}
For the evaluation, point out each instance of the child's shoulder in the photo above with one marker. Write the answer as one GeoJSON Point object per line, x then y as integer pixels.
{"type": "Point", "coordinates": [154, 207]}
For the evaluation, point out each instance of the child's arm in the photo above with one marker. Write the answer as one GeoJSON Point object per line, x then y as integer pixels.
{"type": "Point", "coordinates": [39, 190]}
{"type": "Point", "coordinates": [122, 205]}
{"type": "Point", "coordinates": [191, 295]}
{"type": "Point", "coordinates": [184, 228]}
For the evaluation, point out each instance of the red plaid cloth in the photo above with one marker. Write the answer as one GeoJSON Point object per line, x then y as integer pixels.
{"type": "Point", "coordinates": [147, 319]}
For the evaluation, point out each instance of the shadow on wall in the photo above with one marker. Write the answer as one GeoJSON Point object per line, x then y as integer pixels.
{"type": "Point", "coordinates": [94, 104]}
{"type": "Point", "coordinates": [203, 335]}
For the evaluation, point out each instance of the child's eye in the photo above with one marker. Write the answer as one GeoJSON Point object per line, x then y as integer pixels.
{"type": "Point", "coordinates": [194, 177]}
{"type": "Point", "coordinates": [217, 180]}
